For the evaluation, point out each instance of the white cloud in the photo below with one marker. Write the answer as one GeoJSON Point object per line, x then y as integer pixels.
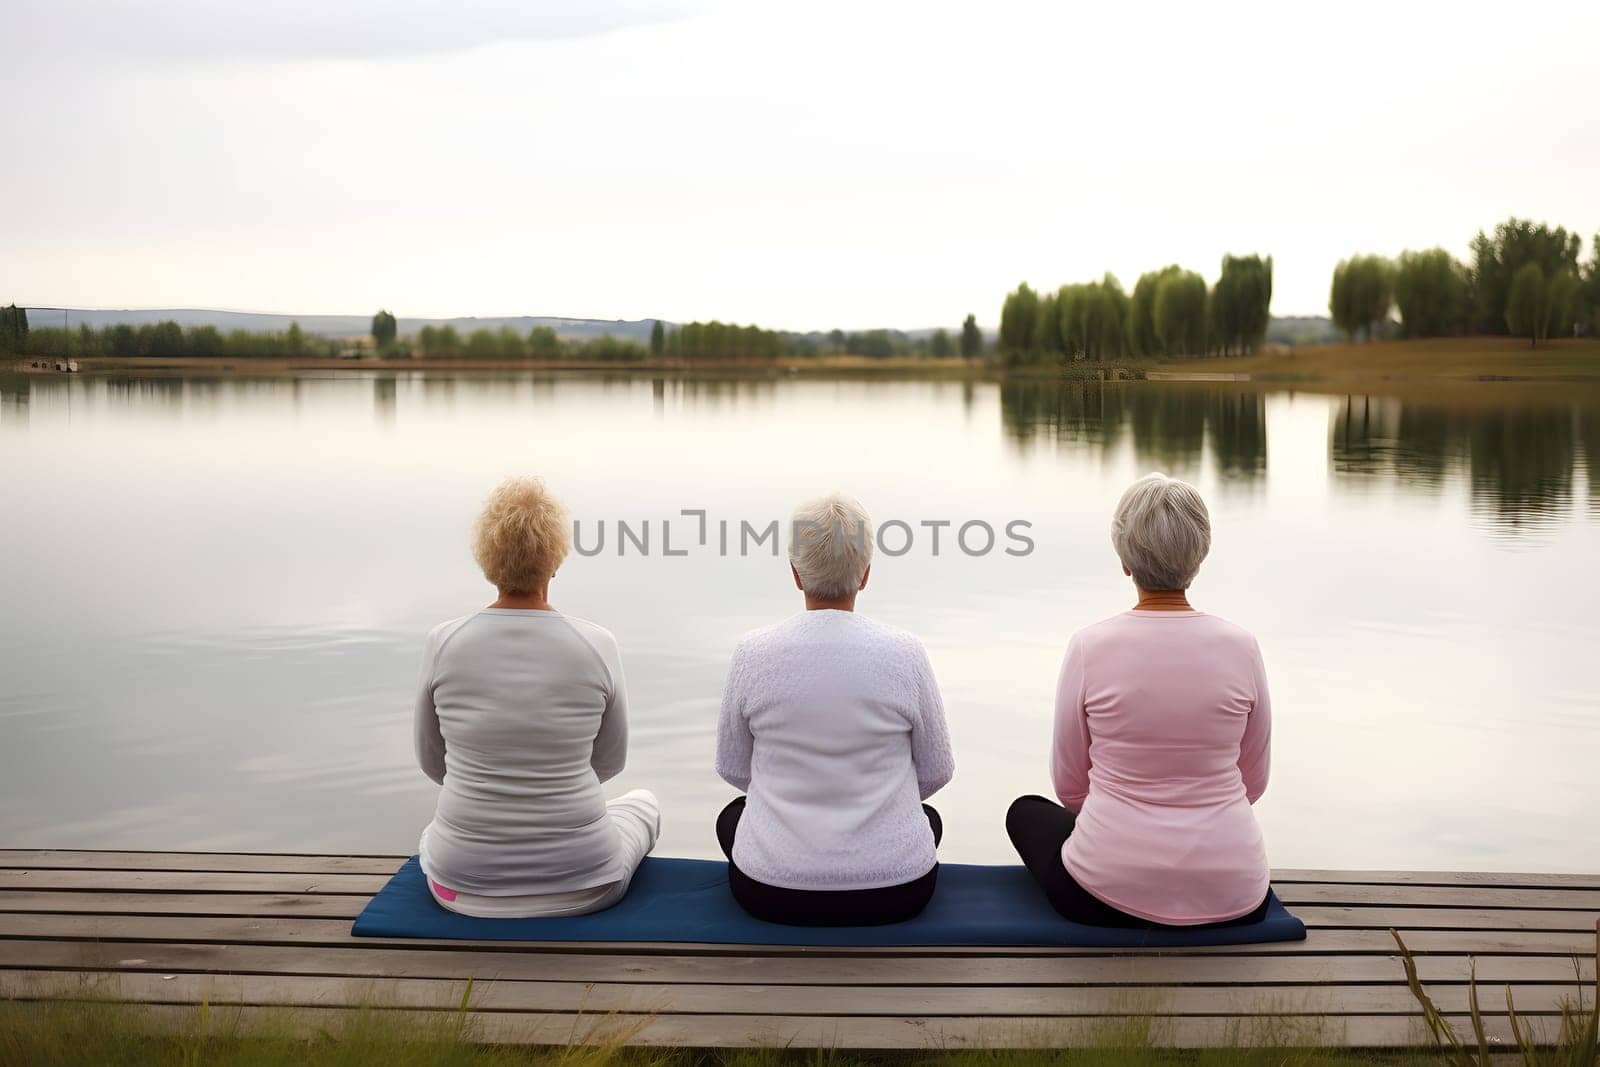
{"type": "Point", "coordinates": [211, 30]}
{"type": "Point", "coordinates": [833, 164]}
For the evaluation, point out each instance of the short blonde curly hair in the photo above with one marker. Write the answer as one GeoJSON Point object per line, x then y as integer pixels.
{"type": "Point", "coordinates": [521, 536]}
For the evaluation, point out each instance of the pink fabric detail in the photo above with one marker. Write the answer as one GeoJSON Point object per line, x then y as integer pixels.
{"type": "Point", "coordinates": [441, 892]}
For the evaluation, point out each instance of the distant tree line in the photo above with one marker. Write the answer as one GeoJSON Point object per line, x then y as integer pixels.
{"type": "Point", "coordinates": [719, 341]}
{"type": "Point", "coordinates": [541, 343]}
{"type": "Point", "coordinates": [1170, 312]}
{"type": "Point", "coordinates": [163, 339]}
{"type": "Point", "coordinates": [13, 330]}
{"type": "Point", "coordinates": [1524, 280]}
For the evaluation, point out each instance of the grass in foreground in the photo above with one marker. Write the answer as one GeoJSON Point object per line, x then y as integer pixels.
{"type": "Point", "coordinates": [67, 1033]}
{"type": "Point", "coordinates": [1576, 1042]}
{"type": "Point", "coordinates": [73, 1033]}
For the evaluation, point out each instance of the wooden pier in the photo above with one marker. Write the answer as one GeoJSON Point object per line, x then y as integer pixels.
{"type": "Point", "coordinates": [252, 935]}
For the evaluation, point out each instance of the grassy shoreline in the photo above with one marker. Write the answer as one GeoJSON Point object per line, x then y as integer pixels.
{"type": "Point", "coordinates": [1384, 366]}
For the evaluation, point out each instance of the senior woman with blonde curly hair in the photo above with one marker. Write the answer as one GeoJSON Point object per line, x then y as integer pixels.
{"type": "Point", "coordinates": [521, 714]}
{"type": "Point", "coordinates": [1162, 736]}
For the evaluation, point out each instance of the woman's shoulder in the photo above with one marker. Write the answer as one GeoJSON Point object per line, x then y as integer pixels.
{"type": "Point", "coordinates": [1212, 627]}
{"type": "Point", "coordinates": [892, 640]}
{"type": "Point", "coordinates": [591, 630]}
{"type": "Point", "coordinates": [446, 630]}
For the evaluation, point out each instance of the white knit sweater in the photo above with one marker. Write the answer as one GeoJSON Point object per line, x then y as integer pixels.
{"type": "Point", "coordinates": [834, 726]}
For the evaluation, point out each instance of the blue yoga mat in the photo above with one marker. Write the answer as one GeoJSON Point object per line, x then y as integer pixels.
{"type": "Point", "coordinates": [678, 900]}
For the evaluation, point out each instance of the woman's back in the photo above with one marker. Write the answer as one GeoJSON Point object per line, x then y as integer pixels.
{"type": "Point", "coordinates": [528, 718]}
{"type": "Point", "coordinates": [1162, 737]}
{"type": "Point", "coordinates": [828, 719]}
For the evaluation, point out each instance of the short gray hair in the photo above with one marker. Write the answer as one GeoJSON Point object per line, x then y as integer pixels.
{"type": "Point", "coordinates": [1162, 532]}
{"type": "Point", "coordinates": [830, 545]}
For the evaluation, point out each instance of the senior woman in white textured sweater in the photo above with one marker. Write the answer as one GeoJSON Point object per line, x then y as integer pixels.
{"type": "Point", "coordinates": [521, 714]}
{"type": "Point", "coordinates": [834, 726]}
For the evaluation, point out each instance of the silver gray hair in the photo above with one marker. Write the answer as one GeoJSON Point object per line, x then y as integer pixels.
{"type": "Point", "coordinates": [1162, 532]}
{"type": "Point", "coordinates": [830, 545]}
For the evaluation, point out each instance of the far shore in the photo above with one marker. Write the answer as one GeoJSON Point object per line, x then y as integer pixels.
{"type": "Point", "coordinates": [1379, 366]}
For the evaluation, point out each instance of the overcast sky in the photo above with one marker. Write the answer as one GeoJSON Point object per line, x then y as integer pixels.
{"type": "Point", "coordinates": [797, 165]}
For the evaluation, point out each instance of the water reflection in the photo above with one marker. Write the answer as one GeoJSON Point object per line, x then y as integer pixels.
{"type": "Point", "coordinates": [384, 399]}
{"type": "Point", "coordinates": [1520, 465]}
{"type": "Point", "coordinates": [1169, 425]}
{"type": "Point", "coordinates": [221, 586]}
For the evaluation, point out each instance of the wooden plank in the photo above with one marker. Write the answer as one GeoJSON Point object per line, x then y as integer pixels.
{"type": "Point", "coordinates": [262, 862]}
{"type": "Point", "coordinates": [324, 906]}
{"type": "Point", "coordinates": [1334, 917]}
{"type": "Point", "coordinates": [337, 932]}
{"type": "Point", "coordinates": [686, 999]}
{"type": "Point", "coordinates": [190, 881]}
{"type": "Point", "coordinates": [1440, 896]}
{"type": "Point", "coordinates": [359, 961]}
{"type": "Point", "coordinates": [362, 884]}
{"type": "Point", "coordinates": [348, 906]}
{"type": "Point", "coordinates": [1522, 879]}
{"type": "Point", "coordinates": [747, 1031]}
{"type": "Point", "coordinates": [323, 863]}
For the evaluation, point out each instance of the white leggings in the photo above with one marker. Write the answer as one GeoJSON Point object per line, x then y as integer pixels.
{"type": "Point", "coordinates": [637, 817]}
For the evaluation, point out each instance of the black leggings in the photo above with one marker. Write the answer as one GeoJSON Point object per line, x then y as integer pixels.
{"type": "Point", "coordinates": [825, 907]}
{"type": "Point", "coordinates": [1038, 828]}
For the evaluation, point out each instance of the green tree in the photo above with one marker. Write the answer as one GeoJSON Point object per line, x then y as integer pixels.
{"type": "Point", "coordinates": [1240, 303]}
{"type": "Point", "coordinates": [161, 339]}
{"type": "Point", "coordinates": [1432, 293]}
{"type": "Point", "coordinates": [1017, 315]}
{"type": "Point", "coordinates": [205, 341]}
{"type": "Point", "coordinates": [658, 339]}
{"type": "Point", "coordinates": [1140, 331]}
{"type": "Point", "coordinates": [544, 344]}
{"type": "Point", "coordinates": [939, 344]}
{"type": "Point", "coordinates": [972, 337]}
{"type": "Point", "coordinates": [384, 329]}
{"type": "Point", "coordinates": [510, 343]}
{"type": "Point", "coordinates": [1562, 292]}
{"type": "Point", "coordinates": [295, 340]}
{"type": "Point", "coordinates": [1109, 320]}
{"type": "Point", "coordinates": [122, 340]}
{"type": "Point", "coordinates": [1590, 297]}
{"type": "Point", "coordinates": [449, 341]}
{"type": "Point", "coordinates": [1047, 336]}
{"type": "Point", "coordinates": [13, 329]}
{"type": "Point", "coordinates": [1072, 311]}
{"type": "Point", "coordinates": [1526, 303]}
{"type": "Point", "coordinates": [1179, 314]}
{"type": "Point", "coordinates": [482, 344]}
{"type": "Point", "coordinates": [1498, 259]}
{"type": "Point", "coordinates": [1361, 295]}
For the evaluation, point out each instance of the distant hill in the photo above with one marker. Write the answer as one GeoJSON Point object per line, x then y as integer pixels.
{"type": "Point", "coordinates": [344, 325]}
{"type": "Point", "coordinates": [1289, 330]}
{"type": "Point", "coordinates": [1303, 330]}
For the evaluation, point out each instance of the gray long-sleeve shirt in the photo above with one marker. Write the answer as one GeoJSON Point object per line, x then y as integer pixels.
{"type": "Point", "coordinates": [520, 715]}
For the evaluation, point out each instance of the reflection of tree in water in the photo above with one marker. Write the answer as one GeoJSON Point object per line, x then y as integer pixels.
{"type": "Point", "coordinates": [1168, 424]}
{"type": "Point", "coordinates": [15, 392]}
{"type": "Point", "coordinates": [385, 398]}
{"type": "Point", "coordinates": [1518, 463]}
{"type": "Point", "coordinates": [1588, 431]}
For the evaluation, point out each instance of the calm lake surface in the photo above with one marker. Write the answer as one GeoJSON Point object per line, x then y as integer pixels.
{"type": "Point", "coordinates": [213, 592]}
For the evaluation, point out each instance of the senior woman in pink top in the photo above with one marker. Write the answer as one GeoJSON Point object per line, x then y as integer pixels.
{"type": "Point", "coordinates": [1162, 733]}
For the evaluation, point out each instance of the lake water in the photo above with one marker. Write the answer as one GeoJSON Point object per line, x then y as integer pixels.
{"type": "Point", "coordinates": [213, 591]}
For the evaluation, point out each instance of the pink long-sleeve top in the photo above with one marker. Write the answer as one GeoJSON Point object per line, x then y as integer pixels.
{"type": "Point", "coordinates": [1162, 738]}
